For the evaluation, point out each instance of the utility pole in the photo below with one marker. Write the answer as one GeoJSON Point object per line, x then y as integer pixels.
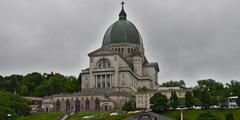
{"type": "Point", "coordinates": [181, 112]}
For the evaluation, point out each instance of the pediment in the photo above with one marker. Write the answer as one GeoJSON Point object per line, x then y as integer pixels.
{"type": "Point", "coordinates": [102, 51]}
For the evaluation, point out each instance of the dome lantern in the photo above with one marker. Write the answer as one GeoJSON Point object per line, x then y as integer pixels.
{"type": "Point", "coordinates": [122, 14]}
{"type": "Point", "coordinates": [122, 31]}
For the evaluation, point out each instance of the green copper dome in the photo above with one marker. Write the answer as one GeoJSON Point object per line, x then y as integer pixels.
{"type": "Point", "coordinates": [122, 31]}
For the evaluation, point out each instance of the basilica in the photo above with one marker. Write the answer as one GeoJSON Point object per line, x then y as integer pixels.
{"type": "Point", "coordinates": [116, 70]}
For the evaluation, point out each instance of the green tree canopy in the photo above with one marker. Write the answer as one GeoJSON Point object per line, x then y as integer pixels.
{"type": "Point", "coordinates": [188, 99]}
{"type": "Point", "coordinates": [36, 84]}
{"type": "Point", "coordinates": [159, 103]}
{"type": "Point", "coordinates": [214, 88]}
{"type": "Point", "coordinates": [30, 82]}
{"type": "Point", "coordinates": [129, 106]}
{"type": "Point", "coordinates": [174, 102]}
{"type": "Point", "coordinates": [172, 83]}
{"type": "Point", "coordinates": [12, 104]}
{"type": "Point", "coordinates": [205, 99]}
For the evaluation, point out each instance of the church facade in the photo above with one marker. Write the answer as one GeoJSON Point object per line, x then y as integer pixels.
{"type": "Point", "coordinates": [116, 70]}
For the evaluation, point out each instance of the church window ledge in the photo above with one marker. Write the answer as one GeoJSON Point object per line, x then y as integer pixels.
{"type": "Point", "coordinates": [102, 70]}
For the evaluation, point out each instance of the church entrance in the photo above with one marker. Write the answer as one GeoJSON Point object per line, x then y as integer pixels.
{"type": "Point", "coordinates": [106, 107]}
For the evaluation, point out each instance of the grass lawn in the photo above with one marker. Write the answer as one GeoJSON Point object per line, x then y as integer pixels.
{"type": "Point", "coordinates": [43, 116]}
{"type": "Point", "coordinates": [99, 116]}
{"type": "Point", "coordinates": [192, 114]}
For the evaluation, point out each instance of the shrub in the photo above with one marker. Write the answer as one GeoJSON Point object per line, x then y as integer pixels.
{"type": "Point", "coordinates": [229, 116]}
{"type": "Point", "coordinates": [207, 116]}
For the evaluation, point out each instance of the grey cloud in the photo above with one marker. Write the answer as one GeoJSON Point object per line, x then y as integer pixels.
{"type": "Point", "coordinates": [191, 39]}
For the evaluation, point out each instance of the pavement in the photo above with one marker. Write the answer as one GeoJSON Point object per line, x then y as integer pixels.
{"type": "Point", "coordinates": [154, 116]}
{"type": "Point", "coordinates": [64, 117]}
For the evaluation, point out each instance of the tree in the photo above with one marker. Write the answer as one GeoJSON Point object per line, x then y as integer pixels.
{"type": "Point", "coordinates": [30, 82]}
{"type": "Point", "coordinates": [55, 84]}
{"type": "Point", "coordinates": [159, 103]}
{"type": "Point", "coordinates": [142, 89]}
{"type": "Point", "coordinates": [71, 85]}
{"type": "Point", "coordinates": [205, 99]}
{"type": "Point", "coordinates": [36, 84]}
{"type": "Point", "coordinates": [12, 83]}
{"type": "Point", "coordinates": [174, 100]}
{"type": "Point", "coordinates": [214, 88]}
{"type": "Point", "coordinates": [129, 106]}
{"type": "Point", "coordinates": [196, 102]}
{"type": "Point", "coordinates": [171, 83]}
{"type": "Point", "coordinates": [210, 84]}
{"type": "Point", "coordinates": [12, 104]}
{"type": "Point", "coordinates": [4, 111]}
{"type": "Point", "coordinates": [229, 116]}
{"type": "Point", "coordinates": [1, 82]}
{"type": "Point", "coordinates": [24, 90]}
{"type": "Point", "coordinates": [207, 116]}
{"type": "Point", "coordinates": [182, 83]}
{"type": "Point", "coordinates": [188, 99]}
{"type": "Point", "coordinates": [238, 100]}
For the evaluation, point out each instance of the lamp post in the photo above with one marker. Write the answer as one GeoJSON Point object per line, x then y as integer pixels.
{"type": "Point", "coordinates": [181, 113]}
{"type": "Point", "coordinates": [9, 116]}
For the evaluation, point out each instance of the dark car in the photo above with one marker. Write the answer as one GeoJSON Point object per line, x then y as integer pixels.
{"type": "Point", "coordinates": [145, 116]}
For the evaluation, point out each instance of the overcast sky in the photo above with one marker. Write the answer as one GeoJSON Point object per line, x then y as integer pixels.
{"type": "Point", "coordinates": [190, 39]}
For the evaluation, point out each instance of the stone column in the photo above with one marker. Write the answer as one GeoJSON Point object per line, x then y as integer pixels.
{"type": "Point", "coordinates": [101, 81]}
{"type": "Point", "coordinates": [110, 80]}
{"type": "Point", "coordinates": [95, 81]}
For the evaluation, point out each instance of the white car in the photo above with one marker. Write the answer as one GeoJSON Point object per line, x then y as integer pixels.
{"type": "Point", "coordinates": [114, 113]}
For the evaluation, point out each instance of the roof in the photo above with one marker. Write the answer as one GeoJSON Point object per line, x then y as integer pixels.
{"type": "Point", "coordinates": [103, 51]}
{"type": "Point", "coordinates": [137, 52]}
{"type": "Point", "coordinates": [95, 92]}
{"type": "Point", "coordinates": [154, 64]}
{"type": "Point", "coordinates": [122, 31]}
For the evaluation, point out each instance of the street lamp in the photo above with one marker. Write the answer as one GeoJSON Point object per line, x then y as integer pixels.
{"type": "Point", "coordinates": [9, 116]}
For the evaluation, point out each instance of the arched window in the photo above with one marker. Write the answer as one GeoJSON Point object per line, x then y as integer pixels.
{"type": "Point", "coordinates": [87, 102]}
{"type": "Point", "coordinates": [128, 50]}
{"type": "Point", "coordinates": [77, 105]}
{"type": "Point", "coordinates": [103, 63]}
{"type": "Point", "coordinates": [97, 104]}
{"type": "Point", "coordinates": [58, 104]}
{"type": "Point", "coordinates": [67, 105]}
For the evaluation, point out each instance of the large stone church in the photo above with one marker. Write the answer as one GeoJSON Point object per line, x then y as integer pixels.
{"type": "Point", "coordinates": [115, 71]}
